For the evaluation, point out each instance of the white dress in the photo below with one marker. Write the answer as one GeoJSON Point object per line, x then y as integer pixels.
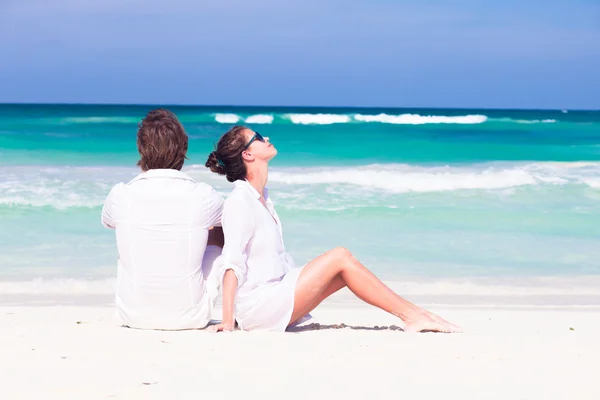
{"type": "Point", "coordinates": [254, 250]}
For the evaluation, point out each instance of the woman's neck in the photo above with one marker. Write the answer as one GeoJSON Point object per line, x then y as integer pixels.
{"type": "Point", "coordinates": [258, 180]}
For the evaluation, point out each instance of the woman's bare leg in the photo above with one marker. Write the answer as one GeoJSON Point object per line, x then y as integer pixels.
{"type": "Point", "coordinates": [335, 285]}
{"type": "Point", "coordinates": [337, 268]}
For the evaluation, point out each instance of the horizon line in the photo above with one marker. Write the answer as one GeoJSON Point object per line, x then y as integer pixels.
{"type": "Point", "coordinates": [287, 106]}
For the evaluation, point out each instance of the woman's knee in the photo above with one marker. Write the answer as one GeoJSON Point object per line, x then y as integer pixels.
{"type": "Point", "coordinates": [341, 253]}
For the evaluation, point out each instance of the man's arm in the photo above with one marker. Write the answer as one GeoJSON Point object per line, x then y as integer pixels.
{"type": "Point", "coordinates": [109, 210]}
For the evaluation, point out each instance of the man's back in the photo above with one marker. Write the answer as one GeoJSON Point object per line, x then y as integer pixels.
{"type": "Point", "coordinates": [162, 219]}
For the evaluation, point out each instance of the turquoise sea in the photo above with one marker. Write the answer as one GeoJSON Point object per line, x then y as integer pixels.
{"type": "Point", "coordinates": [416, 194]}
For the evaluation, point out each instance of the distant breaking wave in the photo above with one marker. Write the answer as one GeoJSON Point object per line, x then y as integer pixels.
{"type": "Point", "coordinates": [318, 119]}
{"type": "Point", "coordinates": [328, 119]}
{"type": "Point", "coordinates": [307, 119]}
{"type": "Point", "coordinates": [227, 118]}
{"type": "Point", "coordinates": [523, 121]}
{"type": "Point", "coordinates": [402, 119]}
{"type": "Point", "coordinates": [259, 119]}
{"type": "Point", "coordinates": [298, 119]}
{"type": "Point", "coordinates": [415, 119]}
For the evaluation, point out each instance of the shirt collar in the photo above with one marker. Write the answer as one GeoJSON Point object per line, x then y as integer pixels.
{"type": "Point", "coordinates": [162, 173]}
{"type": "Point", "coordinates": [246, 184]}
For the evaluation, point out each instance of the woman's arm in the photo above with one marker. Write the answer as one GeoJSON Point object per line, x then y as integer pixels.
{"type": "Point", "coordinates": [238, 230]}
{"type": "Point", "coordinates": [230, 283]}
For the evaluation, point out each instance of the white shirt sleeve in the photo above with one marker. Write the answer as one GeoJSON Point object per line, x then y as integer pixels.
{"type": "Point", "coordinates": [238, 229]}
{"type": "Point", "coordinates": [109, 210]}
{"type": "Point", "coordinates": [215, 211]}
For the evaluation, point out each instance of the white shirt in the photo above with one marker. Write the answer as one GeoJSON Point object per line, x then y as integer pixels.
{"type": "Point", "coordinates": [254, 250]}
{"type": "Point", "coordinates": [161, 220]}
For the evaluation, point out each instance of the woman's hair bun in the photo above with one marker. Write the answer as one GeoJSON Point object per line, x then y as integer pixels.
{"type": "Point", "coordinates": [227, 158]}
{"type": "Point", "coordinates": [215, 165]}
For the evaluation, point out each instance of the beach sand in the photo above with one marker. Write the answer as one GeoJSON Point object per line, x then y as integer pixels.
{"type": "Point", "coordinates": [75, 351]}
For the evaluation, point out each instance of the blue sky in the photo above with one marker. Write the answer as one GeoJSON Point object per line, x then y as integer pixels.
{"type": "Point", "coordinates": [467, 53]}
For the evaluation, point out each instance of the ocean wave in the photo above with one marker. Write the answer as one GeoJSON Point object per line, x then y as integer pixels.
{"type": "Point", "coordinates": [59, 187]}
{"type": "Point", "coordinates": [59, 286]}
{"type": "Point", "coordinates": [318, 119]}
{"type": "Point", "coordinates": [73, 201]}
{"type": "Point", "coordinates": [252, 119]}
{"type": "Point", "coordinates": [85, 187]}
{"type": "Point", "coordinates": [518, 286]}
{"type": "Point", "coordinates": [504, 286]}
{"type": "Point", "coordinates": [543, 121]}
{"type": "Point", "coordinates": [259, 119]}
{"type": "Point", "coordinates": [400, 180]}
{"type": "Point", "coordinates": [227, 118]}
{"type": "Point", "coordinates": [301, 119]}
{"type": "Point", "coordinates": [524, 121]}
{"type": "Point", "coordinates": [415, 119]}
{"type": "Point", "coordinates": [406, 178]}
{"type": "Point", "coordinates": [401, 119]}
{"type": "Point", "coordinates": [592, 182]}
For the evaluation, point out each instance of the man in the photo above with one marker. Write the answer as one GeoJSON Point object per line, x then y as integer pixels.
{"type": "Point", "coordinates": [168, 233]}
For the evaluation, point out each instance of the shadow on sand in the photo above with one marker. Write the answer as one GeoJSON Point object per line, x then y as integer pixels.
{"type": "Point", "coordinates": [318, 327]}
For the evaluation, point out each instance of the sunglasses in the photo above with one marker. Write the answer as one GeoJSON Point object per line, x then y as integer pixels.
{"type": "Point", "coordinates": [257, 136]}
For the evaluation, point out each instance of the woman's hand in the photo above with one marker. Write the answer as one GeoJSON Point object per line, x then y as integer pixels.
{"type": "Point", "coordinates": [224, 326]}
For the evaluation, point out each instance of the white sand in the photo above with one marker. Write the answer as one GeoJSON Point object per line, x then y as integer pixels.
{"type": "Point", "coordinates": [76, 352]}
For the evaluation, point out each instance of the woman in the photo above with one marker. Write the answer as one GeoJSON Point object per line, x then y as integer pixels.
{"type": "Point", "coordinates": [258, 275]}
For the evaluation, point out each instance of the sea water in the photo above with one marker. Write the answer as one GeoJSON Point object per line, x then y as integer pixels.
{"type": "Point", "coordinates": [423, 195]}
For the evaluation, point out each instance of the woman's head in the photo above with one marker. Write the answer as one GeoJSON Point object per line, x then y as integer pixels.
{"type": "Point", "coordinates": [239, 151]}
{"type": "Point", "coordinates": [162, 141]}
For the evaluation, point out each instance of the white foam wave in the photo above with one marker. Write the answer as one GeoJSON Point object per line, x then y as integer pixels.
{"type": "Point", "coordinates": [259, 119]}
{"type": "Point", "coordinates": [400, 180]}
{"type": "Point", "coordinates": [592, 182]}
{"type": "Point", "coordinates": [415, 119]}
{"type": "Point", "coordinates": [69, 187]}
{"type": "Point", "coordinates": [318, 119]}
{"type": "Point", "coordinates": [406, 178]}
{"type": "Point", "coordinates": [64, 286]}
{"type": "Point", "coordinates": [60, 204]}
{"type": "Point", "coordinates": [497, 286]}
{"type": "Point", "coordinates": [227, 118]}
{"type": "Point", "coordinates": [534, 121]}
{"type": "Point", "coordinates": [60, 188]}
{"type": "Point", "coordinates": [576, 285]}
{"type": "Point", "coordinates": [308, 119]}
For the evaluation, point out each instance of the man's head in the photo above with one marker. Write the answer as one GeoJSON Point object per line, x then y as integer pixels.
{"type": "Point", "coordinates": [162, 141]}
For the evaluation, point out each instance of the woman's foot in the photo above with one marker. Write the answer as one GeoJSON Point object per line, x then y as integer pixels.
{"type": "Point", "coordinates": [428, 322]}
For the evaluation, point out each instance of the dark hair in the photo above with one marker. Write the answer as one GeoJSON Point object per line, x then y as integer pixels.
{"type": "Point", "coordinates": [227, 157]}
{"type": "Point", "coordinates": [162, 141]}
